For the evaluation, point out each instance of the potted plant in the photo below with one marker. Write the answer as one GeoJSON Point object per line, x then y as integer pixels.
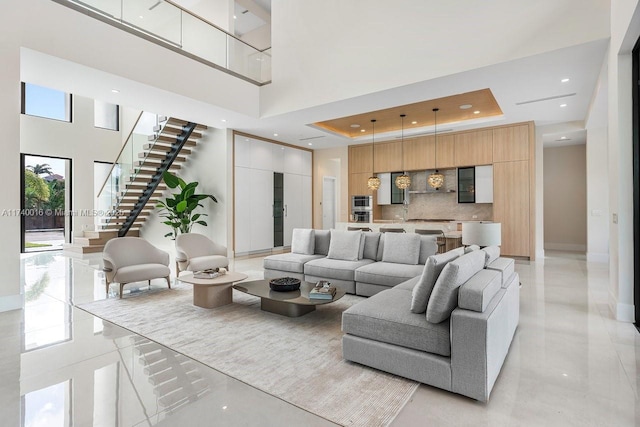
{"type": "Point", "coordinates": [179, 209]}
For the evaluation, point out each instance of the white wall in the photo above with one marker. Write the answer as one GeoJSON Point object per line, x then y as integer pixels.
{"type": "Point", "coordinates": [207, 164]}
{"type": "Point", "coordinates": [81, 142]}
{"type": "Point", "coordinates": [316, 41]}
{"type": "Point", "coordinates": [625, 30]}
{"type": "Point", "coordinates": [565, 198]}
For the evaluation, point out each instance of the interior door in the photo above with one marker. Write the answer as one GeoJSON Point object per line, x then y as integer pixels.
{"type": "Point", "coordinates": [292, 205]}
{"type": "Point", "coordinates": [328, 202]}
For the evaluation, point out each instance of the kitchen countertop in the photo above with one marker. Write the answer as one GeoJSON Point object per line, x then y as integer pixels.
{"type": "Point", "coordinates": [449, 228]}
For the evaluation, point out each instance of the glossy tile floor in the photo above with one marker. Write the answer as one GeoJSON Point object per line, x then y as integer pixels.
{"type": "Point", "coordinates": [569, 364]}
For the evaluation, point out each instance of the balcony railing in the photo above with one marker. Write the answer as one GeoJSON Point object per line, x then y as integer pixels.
{"type": "Point", "coordinates": [167, 24]}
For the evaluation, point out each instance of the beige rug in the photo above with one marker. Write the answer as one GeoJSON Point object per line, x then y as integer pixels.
{"type": "Point", "coordinates": [296, 359]}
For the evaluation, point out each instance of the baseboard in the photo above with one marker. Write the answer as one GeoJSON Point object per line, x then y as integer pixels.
{"type": "Point", "coordinates": [540, 255]}
{"type": "Point", "coordinates": [597, 257]}
{"type": "Point", "coordinates": [572, 247]}
{"type": "Point", "coordinates": [622, 312]}
{"type": "Point", "coordinates": [11, 302]}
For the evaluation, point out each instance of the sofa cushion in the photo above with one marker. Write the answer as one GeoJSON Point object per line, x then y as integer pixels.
{"type": "Point", "coordinates": [334, 268]}
{"type": "Point", "coordinates": [428, 247]}
{"type": "Point", "coordinates": [386, 317]}
{"type": "Point", "coordinates": [431, 272]}
{"type": "Point", "coordinates": [476, 292]}
{"type": "Point", "coordinates": [444, 297]}
{"type": "Point", "coordinates": [141, 272]}
{"type": "Point", "coordinates": [401, 248]}
{"type": "Point", "coordinates": [387, 273]}
{"type": "Point", "coordinates": [471, 248]}
{"type": "Point", "coordinates": [491, 254]}
{"type": "Point", "coordinates": [380, 247]}
{"type": "Point", "coordinates": [303, 241]}
{"type": "Point", "coordinates": [323, 238]}
{"type": "Point", "coordinates": [371, 241]}
{"type": "Point", "coordinates": [291, 262]}
{"type": "Point", "coordinates": [345, 245]}
{"type": "Point", "coordinates": [207, 261]}
{"type": "Point", "coordinates": [506, 268]}
{"type": "Point", "coordinates": [408, 284]}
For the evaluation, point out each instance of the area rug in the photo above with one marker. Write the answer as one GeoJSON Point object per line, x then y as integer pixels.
{"type": "Point", "coordinates": [296, 359]}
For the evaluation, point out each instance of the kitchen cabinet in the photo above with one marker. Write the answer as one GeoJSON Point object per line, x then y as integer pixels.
{"type": "Point", "coordinates": [384, 191]}
{"type": "Point", "coordinates": [475, 184]}
{"type": "Point", "coordinates": [511, 206]}
{"type": "Point", "coordinates": [511, 143]}
{"type": "Point", "coordinates": [474, 148]}
{"type": "Point", "coordinates": [388, 157]}
{"type": "Point", "coordinates": [358, 184]}
{"type": "Point", "coordinates": [360, 159]}
{"type": "Point", "coordinates": [419, 154]}
{"type": "Point", "coordinates": [242, 233]}
{"type": "Point", "coordinates": [261, 207]}
{"type": "Point", "coordinates": [445, 152]}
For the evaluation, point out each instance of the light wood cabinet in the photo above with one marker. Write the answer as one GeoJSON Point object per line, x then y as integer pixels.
{"type": "Point", "coordinates": [358, 185]}
{"type": "Point", "coordinates": [474, 148]}
{"type": "Point", "coordinates": [445, 152]}
{"type": "Point", "coordinates": [511, 206]}
{"type": "Point", "coordinates": [360, 158]}
{"type": "Point", "coordinates": [388, 157]}
{"type": "Point", "coordinates": [419, 154]}
{"type": "Point", "coordinates": [511, 143]}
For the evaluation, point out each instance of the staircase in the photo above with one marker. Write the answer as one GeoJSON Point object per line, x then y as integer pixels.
{"type": "Point", "coordinates": [135, 185]}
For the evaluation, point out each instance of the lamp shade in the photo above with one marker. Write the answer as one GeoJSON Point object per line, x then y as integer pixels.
{"type": "Point", "coordinates": [482, 233]}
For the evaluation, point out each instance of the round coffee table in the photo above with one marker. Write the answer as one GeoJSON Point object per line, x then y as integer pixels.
{"type": "Point", "coordinates": [212, 293]}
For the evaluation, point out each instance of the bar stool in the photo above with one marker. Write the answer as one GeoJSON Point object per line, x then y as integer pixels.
{"type": "Point", "coordinates": [440, 239]}
{"type": "Point", "coordinates": [358, 229]}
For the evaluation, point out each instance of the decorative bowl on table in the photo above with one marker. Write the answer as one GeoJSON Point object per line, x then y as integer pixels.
{"type": "Point", "coordinates": [284, 284]}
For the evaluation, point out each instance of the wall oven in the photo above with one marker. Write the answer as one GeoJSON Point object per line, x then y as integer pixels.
{"type": "Point", "coordinates": [361, 216]}
{"type": "Point", "coordinates": [361, 203]}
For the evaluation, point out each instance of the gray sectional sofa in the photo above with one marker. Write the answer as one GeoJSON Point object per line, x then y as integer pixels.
{"type": "Point", "coordinates": [446, 320]}
{"type": "Point", "coordinates": [360, 263]}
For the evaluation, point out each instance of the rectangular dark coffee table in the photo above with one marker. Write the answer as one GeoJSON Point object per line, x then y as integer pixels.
{"type": "Point", "coordinates": [291, 304]}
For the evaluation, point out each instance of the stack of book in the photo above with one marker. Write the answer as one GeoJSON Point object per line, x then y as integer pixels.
{"type": "Point", "coordinates": [322, 290]}
{"type": "Point", "coordinates": [210, 273]}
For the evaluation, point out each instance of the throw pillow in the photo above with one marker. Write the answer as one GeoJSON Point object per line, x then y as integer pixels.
{"type": "Point", "coordinates": [371, 241]}
{"type": "Point", "coordinates": [428, 247]}
{"type": "Point", "coordinates": [303, 241]}
{"type": "Point", "coordinates": [401, 248]}
{"type": "Point", "coordinates": [380, 247]}
{"type": "Point", "coordinates": [492, 253]}
{"type": "Point", "coordinates": [323, 238]}
{"type": "Point", "coordinates": [444, 297]}
{"type": "Point", "coordinates": [432, 269]}
{"type": "Point", "coordinates": [471, 248]}
{"type": "Point", "coordinates": [345, 245]}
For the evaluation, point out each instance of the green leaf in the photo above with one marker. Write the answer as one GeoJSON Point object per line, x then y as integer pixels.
{"type": "Point", "coordinates": [171, 203]}
{"type": "Point", "coordinates": [201, 223]}
{"type": "Point", "coordinates": [195, 217]}
{"type": "Point", "coordinates": [205, 196]}
{"type": "Point", "coordinates": [181, 183]}
{"type": "Point", "coordinates": [188, 193]}
{"type": "Point", "coordinates": [180, 207]}
{"type": "Point", "coordinates": [168, 235]}
{"type": "Point", "coordinates": [170, 179]}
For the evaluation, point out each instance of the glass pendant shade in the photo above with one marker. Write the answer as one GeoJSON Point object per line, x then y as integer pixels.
{"type": "Point", "coordinates": [436, 180]}
{"type": "Point", "coordinates": [403, 182]}
{"type": "Point", "coordinates": [373, 183]}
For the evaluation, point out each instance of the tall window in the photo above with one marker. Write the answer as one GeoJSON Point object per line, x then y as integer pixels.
{"type": "Point", "coordinates": [105, 115]}
{"type": "Point", "coordinates": [45, 102]}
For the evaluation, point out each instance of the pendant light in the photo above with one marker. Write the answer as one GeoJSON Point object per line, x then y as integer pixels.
{"type": "Point", "coordinates": [373, 183]}
{"type": "Point", "coordinates": [436, 180]}
{"type": "Point", "coordinates": [403, 181]}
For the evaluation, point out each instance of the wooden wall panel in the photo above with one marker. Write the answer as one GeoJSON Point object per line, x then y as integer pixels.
{"type": "Point", "coordinates": [511, 206]}
{"type": "Point", "coordinates": [388, 157]}
{"type": "Point", "coordinates": [511, 143]}
{"type": "Point", "coordinates": [360, 158]}
{"type": "Point", "coordinates": [358, 185]}
{"type": "Point", "coordinates": [446, 151]}
{"type": "Point", "coordinates": [419, 154]}
{"type": "Point", "coordinates": [474, 148]}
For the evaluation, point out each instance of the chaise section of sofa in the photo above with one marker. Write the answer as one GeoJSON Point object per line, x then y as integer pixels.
{"type": "Point", "coordinates": [461, 351]}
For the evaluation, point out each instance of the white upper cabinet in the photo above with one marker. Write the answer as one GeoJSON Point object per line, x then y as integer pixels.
{"type": "Point", "coordinates": [242, 152]}
{"type": "Point", "coordinates": [292, 160]}
{"type": "Point", "coordinates": [261, 155]}
{"type": "Point", "coordinates": [484, 184]}
{"type": "Point", "coordinates": [384, 191]}
{"type": "Point", "coordinates": [307, 163]}
{"type": "Point", "coordinates": [277, 153]}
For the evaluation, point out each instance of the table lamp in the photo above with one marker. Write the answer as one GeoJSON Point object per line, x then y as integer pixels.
{"type": "Point", "coordinates": [481, 233]}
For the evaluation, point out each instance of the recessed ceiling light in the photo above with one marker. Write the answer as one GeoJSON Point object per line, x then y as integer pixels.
{"type": "Point", "coordinates": [563, 137]}
{"type": "Point", "coordinates": [414, 122]}
{"type": "Point", "coordinates": [563, 105]}
{"type": "Point", "coordinates": [115, 91]}
{"type": "Point", "coordinates": [476, 112]}
{"type": "Point", "coordinates": [282, 148]}
{"type": "Point", "coordinates": [565, 375]}
{"type": "Point", "coordinates": [564, 80]}
{"type": "Point", "coordinates": [362, 130]}
{"type": "Point", "coordinates": [224, 407]}
{"type": "Point", "coordinates": [275, 134]}
{"type": "Point", "coordinates": [224, 120]}
{"type": "Point", "coordinates": [465, 106]}
{"type": "Point", "coordinates": [235, 17]}
{"type": "Point", "coordinates": [141, 17]}
{"type": "Point", "coordinates": [311, 143]}
{"type": "Point", "coordinates": [355, 126]}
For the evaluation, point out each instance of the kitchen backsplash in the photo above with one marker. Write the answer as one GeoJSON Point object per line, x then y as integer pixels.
{"type": "Point", "coordinates": [438, 205]}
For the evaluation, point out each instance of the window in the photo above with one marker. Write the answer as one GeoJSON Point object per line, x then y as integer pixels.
{"type": "Point", "coordinates": [105, 115]}
{"type": "Point", "coordinates": [44, 102]}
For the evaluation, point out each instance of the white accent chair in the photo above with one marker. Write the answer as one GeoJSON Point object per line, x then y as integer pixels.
{"type": "Point", "coordinates": [197, 252]}
{"type": "Point", "coordinates": [133, 259]}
